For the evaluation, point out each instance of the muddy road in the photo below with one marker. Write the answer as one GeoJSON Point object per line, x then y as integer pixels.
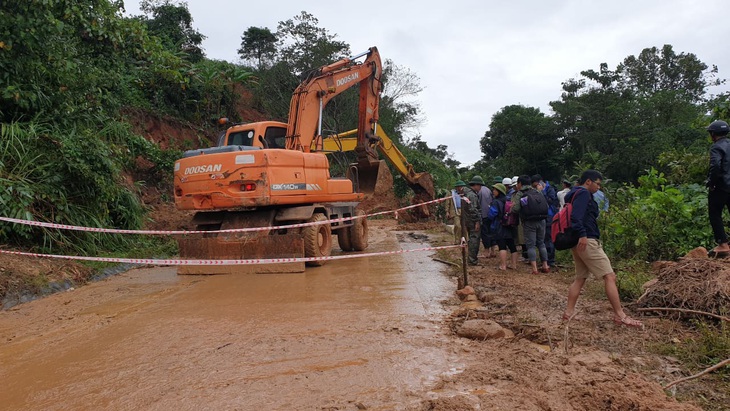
{"type": "Point", "coordinates": [353, 334]}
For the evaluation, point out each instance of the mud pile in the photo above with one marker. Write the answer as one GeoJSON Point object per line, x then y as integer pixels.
{"type": "Point", "coordinates": [692, 284]}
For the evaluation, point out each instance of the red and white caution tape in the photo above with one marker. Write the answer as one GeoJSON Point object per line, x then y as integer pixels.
{"type": "Point", "coordinates": [183, 232]}
{"type": "Point", "coordinates": [153, 261]}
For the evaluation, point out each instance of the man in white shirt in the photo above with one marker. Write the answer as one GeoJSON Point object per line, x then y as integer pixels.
{"type": "Point", "coordinates": [563, 192]}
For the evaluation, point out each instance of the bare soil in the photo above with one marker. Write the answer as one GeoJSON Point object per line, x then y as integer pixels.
{"type": "Point", "coordinates": [588, 363]}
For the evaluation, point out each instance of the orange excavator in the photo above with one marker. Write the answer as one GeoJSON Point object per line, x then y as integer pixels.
{"type": "Point", "coordinates": [272, 174]}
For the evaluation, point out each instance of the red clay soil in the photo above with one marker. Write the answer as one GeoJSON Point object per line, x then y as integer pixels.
{"type": "Point", "coordinates": [588, 363]}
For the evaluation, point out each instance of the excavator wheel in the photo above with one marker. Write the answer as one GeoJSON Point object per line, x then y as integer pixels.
{"type": "Point", "coordinates": [317, 240]}
{"type": "Point", "coordinates": [359, 232]}
{"type": "Point", "coordinates": [344, 239]}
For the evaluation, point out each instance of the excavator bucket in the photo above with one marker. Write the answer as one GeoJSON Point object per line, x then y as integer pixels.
{"type": "Point", "coordinates": [284, 243]}
{"type": "Point", "coordinates": [424, 191]}
{"type": "Point", "coordinates": [371, 178]}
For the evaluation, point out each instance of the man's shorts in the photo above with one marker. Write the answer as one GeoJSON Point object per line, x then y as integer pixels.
{"type": "Point", "coordinates": [591, 260]}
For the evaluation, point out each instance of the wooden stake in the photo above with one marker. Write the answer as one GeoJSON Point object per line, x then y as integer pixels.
{"type": "Point", "coordinates": [464, 235]}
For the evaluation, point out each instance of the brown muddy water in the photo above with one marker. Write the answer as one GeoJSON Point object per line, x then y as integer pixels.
{"type": "Point", "coordinates": [364, 333]}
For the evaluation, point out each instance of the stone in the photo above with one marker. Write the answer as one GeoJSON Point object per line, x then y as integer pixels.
{"type": "Point", "coordinates": [462, 293]}
{"type": "Point", "coordinates": [481, 330]}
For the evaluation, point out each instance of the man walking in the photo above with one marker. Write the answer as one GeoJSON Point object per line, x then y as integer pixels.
{"type": "Point", "coordinates": [718, 182]}
{"type": "Point", "coordinates": [588, 254]}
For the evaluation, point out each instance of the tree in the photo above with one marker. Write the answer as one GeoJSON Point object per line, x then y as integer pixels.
{"type": "Point", "coordinates": [655, 71]}
{"type": "Point", "coordinates": [305, 46]}
{"type": "Point", "coordinates": [64, 61]}
{"type": "Point", "coordinates": [399, 108]}
{"type": "Point", "coordinates": [524, 141]}
{"type": "Point", "coordinates": [173, 24]}
{"type": "Point", "coordinates": [259, 44]}
{"type": "Point", "coordinates": [634, 113]}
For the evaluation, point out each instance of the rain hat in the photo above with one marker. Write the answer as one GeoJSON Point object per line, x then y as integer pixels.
{"type": "Point", "coordinates": [501, 188]}
{"type": "Point", "coordinates": [459, 183]}
{"type": "Point", "coordinates": [477, 180]}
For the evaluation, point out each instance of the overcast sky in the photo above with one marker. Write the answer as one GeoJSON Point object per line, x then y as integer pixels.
{"type": "Point", "coordinates": [475, 57]}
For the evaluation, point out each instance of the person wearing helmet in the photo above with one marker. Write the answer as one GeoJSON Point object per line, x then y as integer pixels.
{"type": "Point", "coordinates": [456, 194]}
{"type": "Point", "coordinates": [474, 217]}
{"type": "Point", "coordinates": [718, 182]}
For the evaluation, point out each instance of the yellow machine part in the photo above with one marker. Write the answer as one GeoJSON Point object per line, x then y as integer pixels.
{"type": "Point", "coordinates": [374, 178]}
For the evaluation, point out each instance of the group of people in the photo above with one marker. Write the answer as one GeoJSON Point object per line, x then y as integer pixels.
{"type": "Point", "coordinates": [502, 217]}
{"type": "Point", "coordinates": [519, 210]}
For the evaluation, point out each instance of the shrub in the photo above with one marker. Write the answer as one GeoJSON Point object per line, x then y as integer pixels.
{"type": "Point", "coordinates": [656, 221]}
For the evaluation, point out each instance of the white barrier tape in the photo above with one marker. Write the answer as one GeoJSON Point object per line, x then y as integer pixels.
{"type": "Point", "coordinates": [153, 261]}
{"type": "Point", "coordinates": [183, 232]}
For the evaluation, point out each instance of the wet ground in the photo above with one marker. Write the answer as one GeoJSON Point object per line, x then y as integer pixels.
{"type": "Point", "coordinates": [354, 334]}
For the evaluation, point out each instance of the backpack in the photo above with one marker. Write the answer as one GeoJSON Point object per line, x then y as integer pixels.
{"type": "Point", "coordinates": [536, 207]}
{"type": "Point", "coordinates": [563, 236]}
{"type": "Point", "coordinates": [509, 219]}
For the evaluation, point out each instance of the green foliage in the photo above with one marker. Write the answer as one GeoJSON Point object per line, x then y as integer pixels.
{"type": "Point", "coordinates": [65, 59]}
{"type": "Point", "coordinates": [707, 347]}
{"type": "Point", "coordinates": [630, 277]}
{"type": "Point", "coordinates": [656, 221]}
{"type": "Point", "coordinates": [173, 24]}
{"type": "Point", "coordinates": [524, 140]}
{"type": "Point", "coordinates": [685, 165]}
{"type": "Point", "coordinates": [63, 176]}
{"type": "Point", "coordinates": [303, 45]}
{"type": "Point", "coordinates": [631, 115]}
{"type": "Point", "coordinates": [258, 44]}
{"type": "Point", "coordinates": [71, 176]}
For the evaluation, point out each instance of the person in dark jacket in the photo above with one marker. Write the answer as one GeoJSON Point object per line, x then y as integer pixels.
{"type": "Point", "coordinates": [718, 182]}
{"type": "Point", "coordinates": [554, 206]}
{"type": "Point", "coordinates": [533, 226]}
{"type": "Point", "coordinates": [501, 233]}
{"type": "Point", "coordinates": [473, 215]}
{"type": "Point", "coordinates": [588, 254]}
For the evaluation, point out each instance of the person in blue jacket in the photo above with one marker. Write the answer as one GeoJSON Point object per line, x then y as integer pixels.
{"type": "Point", "coordinates": [588, 254]}
{"type": "Point", "coordinates": [502, 234]}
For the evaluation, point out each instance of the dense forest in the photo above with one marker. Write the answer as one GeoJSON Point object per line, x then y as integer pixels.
{"type": "Point", "coordinates": [73, 74]}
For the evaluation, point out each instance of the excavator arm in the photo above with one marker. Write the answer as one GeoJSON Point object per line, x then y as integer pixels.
{"type": "Point", "coordinates": [304, 131]}
{"type": "Point", "coordinates": [420, 183]}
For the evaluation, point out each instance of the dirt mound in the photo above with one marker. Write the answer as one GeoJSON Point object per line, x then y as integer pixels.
{"type": "Point", "coordinates": [692, 284]}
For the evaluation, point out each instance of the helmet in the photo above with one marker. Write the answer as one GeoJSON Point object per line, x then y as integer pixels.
{"type": "Point", "coordinates": [477, 180]}
{"type": "Point", "coordinates": [718, 127]}
{"type": "Point", "coordinates": [501, 188]}
{"type": "Point", "coordinates": [507, 181]}
{"type": "Point", "coordinates": [514, 180]}
{"type": "Point", "coordinates": [459, 183]}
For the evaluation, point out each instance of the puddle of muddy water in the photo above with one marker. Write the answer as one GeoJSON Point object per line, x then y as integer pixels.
{"type": "Point", "coordinates": [356, 332]}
